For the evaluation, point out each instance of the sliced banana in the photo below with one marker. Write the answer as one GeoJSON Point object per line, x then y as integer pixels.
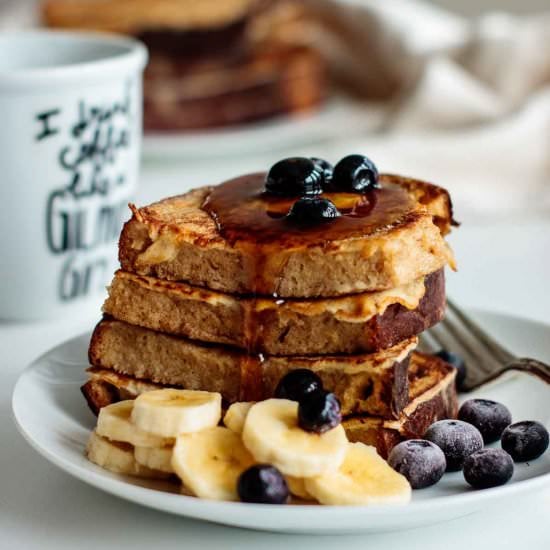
{"type": "Point", "coordinates": [156, 458]}
{"type": "Point", "coordinates": [170, 412]}
{"type": "Point", "coordinates": [271, 433]}
{"type": "Point", "coordinates": [236, 415]}
{"type": "Point", "coordinates": [210, 462]}
{"type": "Point", "coordinates": [363, 478]}
{"type": "Point", "coordinates": [118, 458]}
{"type": "Point", "coordinates": [114, 422]}
{"type": "Point", "coordinates": [297, 487]}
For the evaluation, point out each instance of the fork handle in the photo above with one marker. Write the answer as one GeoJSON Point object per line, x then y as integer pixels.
{"type": "Point", "coordinates": [525, 364]}
{"type": "Point", "coordinates": [531, 366]}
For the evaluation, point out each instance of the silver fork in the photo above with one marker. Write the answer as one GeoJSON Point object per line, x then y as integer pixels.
{"type": "Point", "coordinates": [485, 358]}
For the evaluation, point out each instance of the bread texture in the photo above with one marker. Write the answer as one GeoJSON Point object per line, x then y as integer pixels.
{"type": "Point", "coordinates": [361, 323]}
{"type": "Point", "coordinates": [365, 383]}
{"type": "Point", "coordinates": [177, 239]}
{"type": "Point", "coordinates": [432, 395]}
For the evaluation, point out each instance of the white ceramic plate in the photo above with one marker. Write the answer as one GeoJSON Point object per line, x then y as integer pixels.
{"type": "Point", "coordinates": [339, 117]}
{"type": "Point", "coordinates": [52, 415]}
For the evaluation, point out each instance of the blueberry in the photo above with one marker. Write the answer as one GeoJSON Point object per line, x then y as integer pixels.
{"type": "Point", "coordinates": [421, 462]}
{"type": "Point", "coordinates": [457, 440]}
{"type": "Point", "coordinates": [325, 168]}
{"type": "Point", "coordinates": [489, 417]}
{"type": "Point", "coordinates": [294, 177]}
{"type": "Point", "coordinates": [354, 174]}
{"type": "Point", "coordinates": [319, 412]}
{"type": "Point", "coordinates": [297, 384]}
{"type": "Point", "coordinates": [312, 209]}
{"type": "Point", "coordinates": [525, 440]}
{"type": "Point", "coordinates": [457, 362]}
{"type": "Point", "coordinates": [262, 484]}
{"type": "Point", "coordinates": [488, 468]}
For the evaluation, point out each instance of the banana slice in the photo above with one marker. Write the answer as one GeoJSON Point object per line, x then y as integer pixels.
{"type": "Point", "coordinates": [271, 433]}
{"type": "Point", "coordinates": [364, 478]}
{"type": "Point", "coordinates": [170, 412]}
{"type": "Point", "coordinates": [297, 487]}
{"type": "Point", "coordinates": [114, 422]}
{"type": "Point", "coordinates": [156, 458]}
{"type": "Point", "coordinates": [210, 462]}
{"type": "Point", "coordinates": [236, 415]}
{"type": "Point", "coordinates": [118, 458]}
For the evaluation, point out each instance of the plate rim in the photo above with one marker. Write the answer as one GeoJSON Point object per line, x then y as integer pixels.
{"type": "Point", "coordinates": [197, 508]}
{"type": "Point", "coordinates": [168, 145]}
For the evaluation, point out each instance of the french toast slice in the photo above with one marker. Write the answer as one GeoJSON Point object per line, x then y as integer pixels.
{"type": "Point", "coordinates": [367, 383]}
{"type": "Point", "coordinates": [234, 239]}
{"type": "Point", "coordinates": [360, 323]}
{"type": "Point", "coordinates": [280, 80]}
{"type": "Point", "coordinates": [134, 16]}
{"type": "Point", "coordinates": [432, 394]}
{"type": "Point", "coordinates": [432, 397]}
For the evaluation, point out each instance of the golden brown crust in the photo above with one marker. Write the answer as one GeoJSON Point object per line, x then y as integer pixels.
{"type": "Point", "coordinates": [133, 16]}
{"type": "Point", "coordinates": [435, 198]}
{"type": "Point", "coordinates": [367, 383]}
{"type": "Point", "coordinates": [433, 397]}
{"type": "Point", "coordinates": [175, 239]}
{"type": "Point", "coordinates": [99, 394]}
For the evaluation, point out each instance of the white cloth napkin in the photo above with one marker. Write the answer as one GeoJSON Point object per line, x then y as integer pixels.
{"type": "Point", "coordinates": [471, 98]}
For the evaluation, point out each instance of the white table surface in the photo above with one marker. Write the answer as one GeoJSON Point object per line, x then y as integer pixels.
{"type": "Point", "coordinates": [504, 266]}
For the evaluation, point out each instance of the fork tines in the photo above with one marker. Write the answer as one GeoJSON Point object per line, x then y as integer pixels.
{"type": "Point", "coordinates": [460, 334]}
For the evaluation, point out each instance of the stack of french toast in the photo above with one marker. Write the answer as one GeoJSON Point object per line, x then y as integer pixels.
{"type": "Point", "coordinates": [212, 63]}
{"type": "Point", "coordinates": [337, 270]}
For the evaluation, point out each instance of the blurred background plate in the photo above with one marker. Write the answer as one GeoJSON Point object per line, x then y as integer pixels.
{"type": "Point", "coordinates": [338, 118]}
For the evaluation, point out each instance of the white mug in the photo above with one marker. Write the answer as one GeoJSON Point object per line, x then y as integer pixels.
{"type": "Point", "coordinates": [70, 136]}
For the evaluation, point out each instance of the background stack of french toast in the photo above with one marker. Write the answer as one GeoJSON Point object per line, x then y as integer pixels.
{"type": "Point", "coordinates": [211, 63]}
{"type": "Point", "coordinates": [229, 288]}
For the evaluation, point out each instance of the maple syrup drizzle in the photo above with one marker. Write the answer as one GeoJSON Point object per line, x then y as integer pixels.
{"type": "Point", "coordinates": [245, 214]}
{"type": "Point", "coordinates": [255, 222]}
{"type": "Point", "coordinates": [252, 383]}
